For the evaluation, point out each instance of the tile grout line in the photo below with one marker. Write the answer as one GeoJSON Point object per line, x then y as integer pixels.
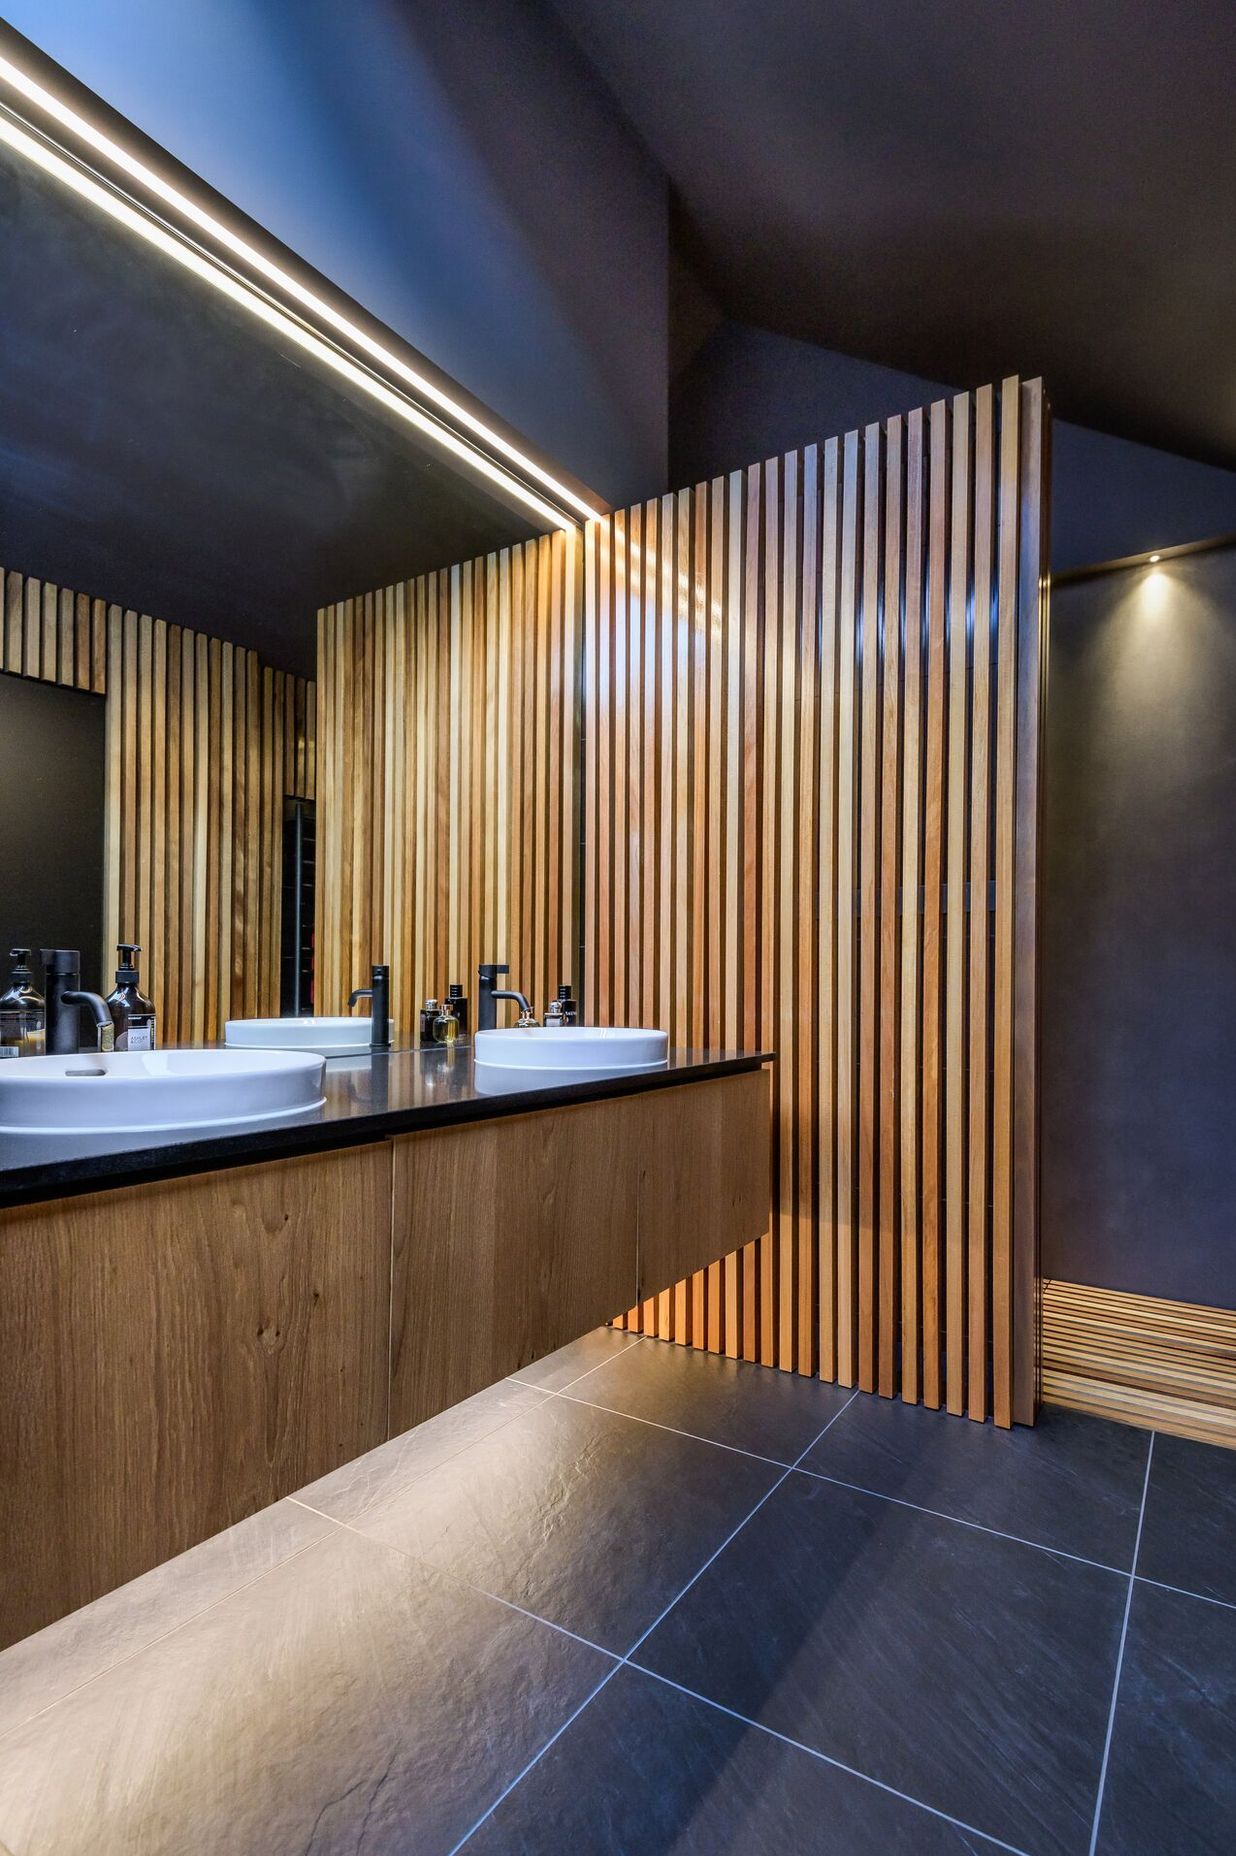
{"type": "Point", "coordinates": [1124, 1631]}
{"type": "Point", "coordinates": [535, 1760]}
{"type": "Point", "coordinates": [775, 1462]}
{"type": "Point", "coordinates": [465, 1585]}
{"type": "Point", "coordinates": [827, 1759]}
{"type": "Point", "coordinates": [163, 1635]}
{"type": "Point", "coordinates": [1182, 1591]}
{"type": "Point", "coordinates": [786, 1473]}
{"type": "Point", "coordinates": [557, 1391]}
{"type": "Point", "coordinates": [957, 1520]}
{"type": "Point", "coordinates": [624, 1661]}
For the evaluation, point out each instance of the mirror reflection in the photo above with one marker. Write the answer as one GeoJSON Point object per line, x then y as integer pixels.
{"type": "Point", "coordinates": [182, 489]}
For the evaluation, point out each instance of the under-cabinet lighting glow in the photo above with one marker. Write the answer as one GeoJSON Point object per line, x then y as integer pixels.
{"type": "Point", "coordinates": [99, 195]}
{"type": "Point", "coordinates": [1155, 558]}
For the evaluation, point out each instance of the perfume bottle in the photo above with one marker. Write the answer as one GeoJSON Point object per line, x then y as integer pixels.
{"type": "Point", "coordinates": [445, 1025]}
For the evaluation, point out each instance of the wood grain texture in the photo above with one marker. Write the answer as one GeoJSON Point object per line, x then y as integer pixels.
{"type": "Point", "coordinates": [203, 742]}
{"type": "Point", "coordinates": [447, 773]}
{"type": "Point", "coordinates": [862, 708]}
{"type": "Point", "coordinates": [1169, 1366]}
{"type": "Point", "coordinates": [176, 1357]}
{"type": "Point", "coordinates": [702, 1154]}
{"type": "Point", "coordinates": [792, 717]}
{"type": "Point", "coordinates": [510, 1238]}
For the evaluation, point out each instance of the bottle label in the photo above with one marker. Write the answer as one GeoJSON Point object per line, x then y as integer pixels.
{"type": "Point", "coordinates": [137, 1037]}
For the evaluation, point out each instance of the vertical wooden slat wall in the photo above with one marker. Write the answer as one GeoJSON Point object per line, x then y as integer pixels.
{"type": "Point", "coordinates": [203, 742]}
{"type": "Point", "coordinates": [448, 823]}
{"type": "Point", "coordinates": [803, 767]}
{"type": "Point", "coordinates": [835, 804]}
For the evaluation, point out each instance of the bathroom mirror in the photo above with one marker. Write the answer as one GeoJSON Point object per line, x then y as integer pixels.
{"type": "Point", "coordinates": [188, 472]}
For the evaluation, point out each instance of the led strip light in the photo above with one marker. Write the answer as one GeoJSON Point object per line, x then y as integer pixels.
{"type": "Point", "coordinates": [83, 184]}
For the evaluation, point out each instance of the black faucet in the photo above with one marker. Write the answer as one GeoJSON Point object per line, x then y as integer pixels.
{"type": "Point", "coordinates": [488, 993]}
{"type": "Point", "coordinates": [379, 995]}
{"type": "Point", "coordinates": [62, 966]}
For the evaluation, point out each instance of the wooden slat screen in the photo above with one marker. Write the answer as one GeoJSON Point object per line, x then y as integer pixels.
{"type": "Point", "coordinates": [783, 849]}
{"type": "Point", "coordinates": [1169, 1366]}
{"type": "Point", "coordinates": [203, 741]}
{"type": "Point", "coordinates": [448, 832]}
{"type": "Point", "coordinates": [806, 740]}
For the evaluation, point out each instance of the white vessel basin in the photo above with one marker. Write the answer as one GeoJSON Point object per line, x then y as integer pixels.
{"type": "Point", "coordinates": [329, 1037]}
{"type": "Point", "coordinates": [580, 1053]}
{"type": "Point", "coordinates": [148, 1092]}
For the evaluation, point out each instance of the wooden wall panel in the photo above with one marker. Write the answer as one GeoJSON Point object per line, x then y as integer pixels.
{"type": "Point", "coordinates": [792, 715]}
{"type": "Point", "coordinates": [203, 742]}
{"type": "Point", "coordinates": [1170, 1366]}
{"type": "Point", "coordinates": [448, 829]}
{"type": "Point", "coordinates": [847, 773]}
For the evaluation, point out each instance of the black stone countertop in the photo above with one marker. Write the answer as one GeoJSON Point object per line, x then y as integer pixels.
{"type": "Point", "coordinates": [367, 1099]}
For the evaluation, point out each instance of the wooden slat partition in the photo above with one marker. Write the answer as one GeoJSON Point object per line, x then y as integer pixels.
{"type": "Point", "coordinates": [1170, 1366]}
{"type": "Point", "coordinates": [449, 818]}
{"type": "Point", "coordinates": [804, 768]}
{"type": "Point", "coordinates": [845, 783]}
{"type": "Point", "coordinates": [203, 742]}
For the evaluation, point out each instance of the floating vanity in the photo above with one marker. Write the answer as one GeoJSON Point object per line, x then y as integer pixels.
{"type": "Point", "coordinates": [200, 1322]}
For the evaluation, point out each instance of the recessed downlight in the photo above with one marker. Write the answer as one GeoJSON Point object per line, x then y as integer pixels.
{"type": "Point", "coordinates": [1153, 558]}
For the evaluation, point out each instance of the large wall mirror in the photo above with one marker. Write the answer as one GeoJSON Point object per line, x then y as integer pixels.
{"type": "Point", "coordinates": [201, 445]}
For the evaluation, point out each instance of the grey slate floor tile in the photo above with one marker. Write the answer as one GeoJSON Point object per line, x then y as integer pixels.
{"type": "Point", "coordinates": [966, 1670]}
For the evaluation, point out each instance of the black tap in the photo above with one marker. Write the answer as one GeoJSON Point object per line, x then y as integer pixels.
{"type": "Point", "coordinates": [488, 992]}
{"type": "Point", "coordinates": [62, 966]}
{"type": "Point", "coordinates": [379, 996]}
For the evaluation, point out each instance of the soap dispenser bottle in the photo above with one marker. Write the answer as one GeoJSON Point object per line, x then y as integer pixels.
{"type": "Point", "coordinates": [23, 1014]}
{"type": "Point", "coordinates": [133, 1014]}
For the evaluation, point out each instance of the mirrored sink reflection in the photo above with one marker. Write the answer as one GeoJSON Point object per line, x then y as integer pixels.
{"type": "Point", "coordinates": [327, 1037]}
{"type": "Point", "coordinates": [538, 1057]}
{"type": "Point", "coordinates": [145, 1092]}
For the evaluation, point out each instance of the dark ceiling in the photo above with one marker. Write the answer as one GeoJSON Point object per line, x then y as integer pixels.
{"type": "Point", "coordinates": [162, 450]}
{"type": "Point", "coordinates": [960, 190]}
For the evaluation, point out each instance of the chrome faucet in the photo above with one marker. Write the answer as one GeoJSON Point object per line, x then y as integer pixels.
{"type": "Point", "coordinates": [379, 995]}
{"type": "Point", "coordinates": [488, 993]}
{"type": "Point", "coordinates": [65, 998]}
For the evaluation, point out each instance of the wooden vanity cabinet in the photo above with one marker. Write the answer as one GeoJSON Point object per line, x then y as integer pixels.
{"type": "Point", "coordinates": [177, 1356]}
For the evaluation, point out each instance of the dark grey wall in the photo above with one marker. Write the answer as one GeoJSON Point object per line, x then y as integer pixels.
{"type": "Point", "coordinates": [749, 394]}
{"type": "Point", "coordinates": [1139, 933]}
{"type": "Point", "coordinates": [51, 822]}
{"type": "Point", "coordinates": [458, 169]}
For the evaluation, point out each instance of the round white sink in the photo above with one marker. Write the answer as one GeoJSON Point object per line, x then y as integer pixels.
{"type": "Point", "coordinates": [329, 1037]}
{"type": "Point", "coordinates": [149, 1092]}
{"type": "Point", "coordinates": [580, 1053]}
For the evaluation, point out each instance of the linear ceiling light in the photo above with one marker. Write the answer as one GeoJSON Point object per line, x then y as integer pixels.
{"type": "Point", "coordinates": [94, 191]}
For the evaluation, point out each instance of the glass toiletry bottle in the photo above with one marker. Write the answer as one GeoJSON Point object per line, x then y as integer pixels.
{"type": "Point", "coordinates": [429, 1016]}
{"type": "Point", "coordinates": [566, 1005]}
{"type": "Point", "coordinates": [133, 1014]}
{"type": "Point", "coordinates": [553, 1015]}
{"type": "Point", "coordinates": [23, 1013]}
{"type": "Point", "coordinates": [445, 1025]}
{"type": "Point", "coordinates": [459, 1005]}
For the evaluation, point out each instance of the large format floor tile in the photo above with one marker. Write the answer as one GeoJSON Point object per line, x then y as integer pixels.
{"type": "Point", "coordinates": [559, 1370]}
{"type": "Point", "coordinates": [347, 1492]}
{"type": "Point", "coordinates": [664, 1772]}
{"type": "Point", "coordinates": [41, 1669]}
{"type": "Point", "coordinates": [1071, 1482]}
{"type": "Point", "coordinates": [1189, 1533]}
{"type": "Point", "coordinates": [747, 1407]}
{"type": "Point", "coordinates": [350, 1700]}
{"type": "Point", "coordinates": [966, 1670]}
{"type": "Point", "coordinates": [1171, 1778]}
{"type": "Point", "coordinates": [588, 1519]}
